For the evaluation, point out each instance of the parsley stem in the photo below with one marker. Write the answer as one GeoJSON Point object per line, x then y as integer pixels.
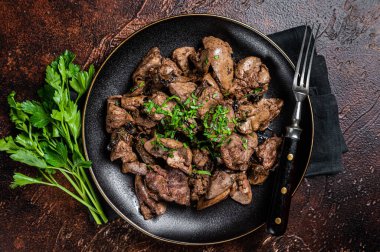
{"type": "Point", "coordinates": [93, 198]}
{"type": "Point", "coordinates": [92, 192]}
{"type": "Point", "coordinates": [85, 195]}
{"type": "Point", "coordinates": [74, 170]}
{"type": "Point", "coordinates": [31, 139]}
{"type": "Point", "coordinates": [75, 185]}
{"type": "Point", "coordinates": [60, 169]}
{"type": "Point", "coordinates": [85, 184]}
{"type": "Point", "coordinates": [76, 197]}
{"type": "Point", "coordinates": [54, 183]}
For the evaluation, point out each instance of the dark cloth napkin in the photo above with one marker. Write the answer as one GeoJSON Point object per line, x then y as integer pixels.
{"type": "Point", "coordinates": [329, 144]}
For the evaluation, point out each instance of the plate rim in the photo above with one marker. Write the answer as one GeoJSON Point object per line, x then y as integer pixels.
{"type": "Point", "coordinates": [84, 116]}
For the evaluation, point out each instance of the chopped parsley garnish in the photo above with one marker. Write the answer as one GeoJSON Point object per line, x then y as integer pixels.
{"type": "Point", "coordinates": [234, 121]}
{"type": "Point", "coordinates": [245, 143]}
{"type": "Point", "coordinates": [201, 172]}
{"type": "Point", "coordinates": [254, 92]}
{"type": "Point", "coordinates": [181, 117]}
{"type": "Point", "coordinates": [229, 140]}
{"type": "Point", "coordinates": [216, 124]}
{"type": "Point", "coordinates": [206, 61]}
{"type": "Point", "coordinates": [216, 57]}
{"type": "Point", "coordinates": [140, 85]}
{"type": "Point", "coordinates": [257, 90]}
{"type": "Point", "coordinates": [171, 155]}
{"type": "Point", "coordinates": [157, 142]}
{"type": "Point", "coordinates": [158, 145]}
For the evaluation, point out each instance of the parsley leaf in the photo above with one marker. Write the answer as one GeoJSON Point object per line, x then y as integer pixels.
{"type": "Point", "coordinates": [28, 157]}
{"type": "Point", "coordinates": [53, 78]}
{"type": "Point", "coordinates": [57, 156]}
{"type": "Point", "coordinates": [18, 117]}
{"type": "Point", "coordinates": [7, 144]}
{"type": "Point", "coordinates": [20, 179]}
{"type": "Point", "coordinates": [73, 118]}
{"type": "Point", "coordinates": [81, 81]}
{"type": "Point", "coordinates": [25, 141]}
{"type": "Point", "coordinates": [39, 118]}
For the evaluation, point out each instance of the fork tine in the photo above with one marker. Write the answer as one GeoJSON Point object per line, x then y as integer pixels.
{"type": "Point", "coordinates": [302, 80]}
{"type": "Point", "coordinates": [296, 74]}
{"type": "Point", "coordinates": [311, 59]}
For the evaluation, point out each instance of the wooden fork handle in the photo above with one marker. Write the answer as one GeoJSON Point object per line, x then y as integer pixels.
{"type": "Point", "coordinates": [277, 220]}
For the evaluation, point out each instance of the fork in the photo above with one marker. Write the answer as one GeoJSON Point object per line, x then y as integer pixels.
{"type": "Point", "coordinates": [277, 220]}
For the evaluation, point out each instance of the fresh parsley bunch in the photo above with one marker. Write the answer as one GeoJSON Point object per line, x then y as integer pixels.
{"type": "Point", "coordinates": [49, 137]}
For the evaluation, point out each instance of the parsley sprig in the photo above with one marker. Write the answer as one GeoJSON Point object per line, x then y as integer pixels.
{"type": "Point", "coordinates": [49, 137]}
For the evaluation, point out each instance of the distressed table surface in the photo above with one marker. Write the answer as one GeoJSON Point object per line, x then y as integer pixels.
{"type": "Point", "coordinates": [338, 212]}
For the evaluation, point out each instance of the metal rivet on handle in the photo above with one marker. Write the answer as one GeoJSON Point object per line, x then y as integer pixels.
{"type": "Point", "coordinates": [290, 157]}
{"type": "Point", "coordinates": [277, 220]}
{"type": "Point", "coordinates": [284, 190]}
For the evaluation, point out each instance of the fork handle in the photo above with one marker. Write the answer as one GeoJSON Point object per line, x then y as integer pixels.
{"type": "Point", "coordinates": [277, 220]}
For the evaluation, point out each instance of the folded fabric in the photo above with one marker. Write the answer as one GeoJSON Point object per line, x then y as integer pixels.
{"type": "Point", "coordinates": [329, 143]}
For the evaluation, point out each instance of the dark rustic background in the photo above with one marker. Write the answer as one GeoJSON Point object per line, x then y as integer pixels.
{"type": "Point", "coordinates": [338, 212]}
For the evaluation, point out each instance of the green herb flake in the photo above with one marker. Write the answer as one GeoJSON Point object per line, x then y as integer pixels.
{"type": "Point", "coordinates": [206, 61]}
{"type": "Point", "coordinates": [234, 120]}
{"type": "Point", "coordinates": [245, 142]}
{"type": "Point", "coordinates": [216, 57]}
{"type": "Point", "coordinates": [229, 140]}
{"type": "Point", "coordinates": [257, 90]}
{"type": "Point", "coordinates": [141, 84]}
{"type": "Point", "coordinates": [254, 92]}
{"type": "Point", "coordinates": [201, 172]}
{"type": "Point", "coordinates": [133, 89]}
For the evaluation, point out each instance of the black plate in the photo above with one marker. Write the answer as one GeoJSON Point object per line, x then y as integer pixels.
{"type": "Point", "coordinates": [226, 220]}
